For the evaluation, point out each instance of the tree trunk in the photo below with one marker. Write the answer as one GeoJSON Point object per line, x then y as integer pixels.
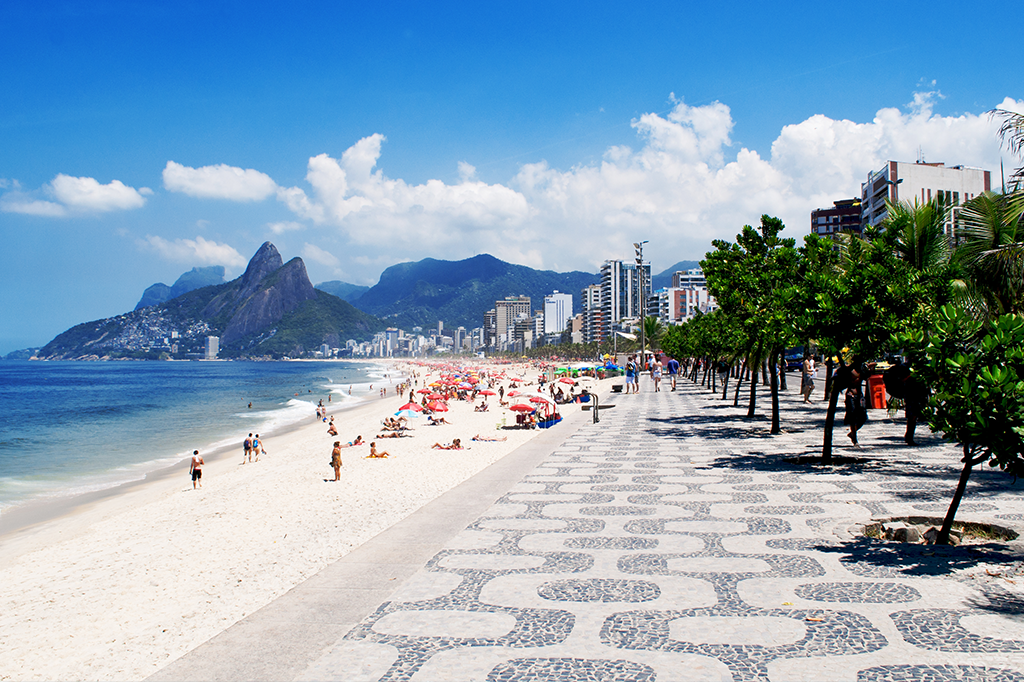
{"type": "Point", "coordinates": [828, 378]}
{"type": "Point", "coordinates": [773, 371]}
{"type": "Point", "coordinates": [961, 486]}
{"type": "Point", "coordinates": [704, 379]}
{"type": "Point", "coordinates": [739, 382]}
{"type": "Point", "coordinates": [725, 384]}
{"type": "Point", "coordinates": [714, 379]}
{"type": "Point", "coordinates": [764, 372]}
{"type": "Point", "coordinates": [830, 420]}
{"type": "Point", "coordinates": [782, 369]}
{"type": "Point", "coordinates": [753, 395]}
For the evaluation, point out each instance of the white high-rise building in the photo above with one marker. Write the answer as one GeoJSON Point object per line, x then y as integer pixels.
{"type": "Point", "coordinates": [557, 312]}
{"type": "Point", "coordinates": [212, 347]}
{"type": "Point", "coordinates": [921, 182]}
{"type": "Point", "coordinates": [625, 289]}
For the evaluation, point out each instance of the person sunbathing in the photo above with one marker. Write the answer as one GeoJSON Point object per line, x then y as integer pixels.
{"type": "Point", "coordinates": [489, 440]}
{"type": "Point", "coordinates": [393, 434]}
{"type": "Point", "coordinates": [377, 455]}
{"type": "Point", "coordinates": [357, 441]}
{"type": "Point", "coordinates": [482, 407]}
{"type": "Point", "coordinates": [434, 421]}
{"type": "Point", "coordinates": [454, 445]}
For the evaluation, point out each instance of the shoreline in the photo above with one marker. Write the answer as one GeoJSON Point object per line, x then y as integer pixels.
{"type": "Point", "coordinates": [144, 575]}
{"type": "Point", "coordinates": [20, 517]}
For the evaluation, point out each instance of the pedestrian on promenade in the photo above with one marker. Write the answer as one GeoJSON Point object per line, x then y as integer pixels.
{"type": "Point", "coordinates": [630, 372]}
{"type": "Point", "coordinates": [656, 375]}
{"type": "Point", "coordinates": [673, 371]}
{"type": "Point", "coordinates": [196, 469]}
{"type": "Point", "coordinates": [807, 377]}
{"type": "Point", "coordinates": [856, 410]}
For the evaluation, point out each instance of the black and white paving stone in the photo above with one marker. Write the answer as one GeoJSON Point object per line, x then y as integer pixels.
{"type": "Point", "coordinates": [671, 541]}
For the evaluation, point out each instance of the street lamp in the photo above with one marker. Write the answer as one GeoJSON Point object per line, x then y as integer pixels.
{"type": "Point", "coordinates": [639, 246]}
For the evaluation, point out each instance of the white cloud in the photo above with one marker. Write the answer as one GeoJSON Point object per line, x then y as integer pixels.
{"type": "Point", "coordinates": [285, 226]}
{"type": "Point", "coordinates": [317, 255]}
{"type": "Point", "coordinates": [196, 251]}
{"type": "Point", "coordinates": [219, 182]}
{"type": "Point", "coordinates": [69, 195]}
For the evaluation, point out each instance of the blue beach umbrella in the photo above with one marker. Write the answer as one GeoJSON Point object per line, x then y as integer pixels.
{"type": "Point", "coordinates": [407, 413]}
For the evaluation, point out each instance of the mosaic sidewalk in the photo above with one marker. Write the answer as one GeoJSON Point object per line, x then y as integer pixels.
{"type": "Point", "coordinates": [672, 542]}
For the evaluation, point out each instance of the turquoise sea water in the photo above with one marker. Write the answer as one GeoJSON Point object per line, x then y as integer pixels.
{"type": "Point", "coordinates": [72, 427]}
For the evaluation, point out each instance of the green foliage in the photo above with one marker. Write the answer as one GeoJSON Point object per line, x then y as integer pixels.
{"type": "Point", "coordinates": [653, 331]}
{"type": "Point", "coordinates": [977, 377]}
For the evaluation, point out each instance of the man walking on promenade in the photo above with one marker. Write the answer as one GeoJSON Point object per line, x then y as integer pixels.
{"type": "Point", "coordinates": [196, 469]}
{"type": "Point", "coordinates": [673, 371]}
{"type": "Point", "coordinates": [630, 370]}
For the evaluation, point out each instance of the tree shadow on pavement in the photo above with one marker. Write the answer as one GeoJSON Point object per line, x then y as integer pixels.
{"type": "Point", "coordinates": [997, 599]}
{"type": "Point", "coordinates": [877, 559]}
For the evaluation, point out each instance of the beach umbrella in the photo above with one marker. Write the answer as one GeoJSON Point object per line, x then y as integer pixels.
{"type": "Point", "coordinates": [523, 408]}
{"type": "Point", "coordinates": [407, 413]}
{"type": "Point", "coordinates": [437, 406]}
{"type": "Point", "coordinates": [538, 399]}
{"type": "Point", "coordinates": [487, 392]}
{"type": "Point", "coordinates": [566, 380]}
{"type": "Point", "coordinates": [424, 390]}
{"type": "Point", "coordinates": [513, 394]}
{"type": "Point", "coordinates": [411, 406]}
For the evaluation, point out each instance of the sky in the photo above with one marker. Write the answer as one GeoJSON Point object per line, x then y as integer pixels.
{"type": "Point", "coordinates": [139, 140]}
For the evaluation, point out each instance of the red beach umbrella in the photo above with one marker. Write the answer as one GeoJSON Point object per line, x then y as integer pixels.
{"type": "Point", "coordinates": [538, 399]}
{"type": "Point", "coordinates": [487, 392]}
{"type": "Point", "coordinates": [523, 408]}
{"type": "Point", "coordinates": [411, 406]}
{"type": "Point", "coordinates": [437, 406]}
{"type": "Point", "coordinates": [424, 391]}
{"type": "Point", "coordinates": [567, 380]}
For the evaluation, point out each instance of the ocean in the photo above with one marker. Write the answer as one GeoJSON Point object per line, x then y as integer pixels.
{"type": "Point", "coordinates": [68, 428]}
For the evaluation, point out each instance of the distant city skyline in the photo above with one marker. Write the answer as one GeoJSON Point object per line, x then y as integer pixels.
{"type": "Point", "coordinates": [143, 139]}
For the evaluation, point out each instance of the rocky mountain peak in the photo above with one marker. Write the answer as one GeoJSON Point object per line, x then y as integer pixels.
{"type": "Point", "coordinates": [266, 260]}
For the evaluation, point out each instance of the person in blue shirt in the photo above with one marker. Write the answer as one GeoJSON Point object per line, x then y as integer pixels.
{"type": "Point", "coordinates": [673, 370]}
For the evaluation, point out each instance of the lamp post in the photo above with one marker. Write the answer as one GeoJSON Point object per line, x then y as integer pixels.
{"type": "Point", "coordinates": [639, 247]}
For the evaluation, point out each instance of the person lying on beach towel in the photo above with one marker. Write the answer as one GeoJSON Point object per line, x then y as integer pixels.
{"type": "Point", "coordinates": [454, 445]}
{"type": "Point", "coordinates": [434, 421]}
{"type": "Point", "coordinates": [482, 407]}
{"type": "Point", "coordinates": [358, 441]}
{"type": "Point", "coordinates": [489, 440]}
{"type": "Point", "coordinates": [394, 434]}
{"type": "Point", "coordinates": [377, 455]}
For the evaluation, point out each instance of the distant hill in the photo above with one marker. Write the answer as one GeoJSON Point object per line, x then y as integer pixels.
{"type": "Point", "coordinates": [664, 279]}
{"type": "Point", "coordinates": [196, 278]}
{"type": "Point", "coordinates": [458, 293]}
{"type": "Point", "coordinates": [271, 310]}
{"type": "Point", "coordinates": [343, 290]}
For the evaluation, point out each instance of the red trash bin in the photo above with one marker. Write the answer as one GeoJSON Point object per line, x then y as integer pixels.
{"type": "Point", "coordinates": [876, 392]}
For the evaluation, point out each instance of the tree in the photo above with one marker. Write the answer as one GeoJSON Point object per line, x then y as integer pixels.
{"type": "Point", "coordinates": [977, 375]}
{"type": "Point", "coordinates": [653, 331]}
{"type": "Point", "coordinates": [991, 255]}
{"type": "Point", "coordinates": [751, 280]}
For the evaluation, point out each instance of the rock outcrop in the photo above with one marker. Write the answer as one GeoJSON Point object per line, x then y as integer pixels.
{"type": "Point", "coordinates": [276, 293]}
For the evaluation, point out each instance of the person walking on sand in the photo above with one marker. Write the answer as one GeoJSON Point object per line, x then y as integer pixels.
{"type": "Point", "coordinates": [196, 469]}
{"type": "Point", "coordinates": [336, 460]}
{"type": "Point", "coordinates": [257, 447]}
{"type": "Point", "coordinates": [247, 446]}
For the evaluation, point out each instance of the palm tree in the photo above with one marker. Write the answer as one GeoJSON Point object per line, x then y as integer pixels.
{"type": "Point", "coordinates": [1011, 131]}
{"type": "Point", "coordinates": [918, 233]}
{"type": "Point", "coordinates": [653, 330]}
{"type": "Point", "coordinates": [991, 254]}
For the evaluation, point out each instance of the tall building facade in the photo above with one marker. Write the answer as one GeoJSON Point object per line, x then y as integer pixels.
{"type": "Point", "coordinates": [506, 313]}
{"type": "Point", "coordinates": [625, 289]}
{"type": "Point", "coordinates": [593, 315]}
{"type": "Point", "coordinates": [557, 312]}
{"type": "Point", "coordinates": [212, 347]}
{"type": "Point", "coordinates": [900, 181]}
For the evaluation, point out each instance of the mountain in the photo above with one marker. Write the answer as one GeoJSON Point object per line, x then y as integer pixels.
{"type": "Point", "coordinates": [664, 278]}
{"type": "Point", "coordinates": [460, 292]}
{"type": "Point", "coordinates": [271, 310]}
{"type": "Point", "coordinates": [343, 290]}
{"type": "Point", "coordinates": [196, 278]}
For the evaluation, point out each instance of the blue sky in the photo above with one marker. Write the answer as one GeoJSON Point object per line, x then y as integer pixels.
{"type": "Point", "coordinates": [142, 139]}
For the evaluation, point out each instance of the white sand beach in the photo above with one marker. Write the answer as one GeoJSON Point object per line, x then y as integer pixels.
{"type": "Point", "coordinates": [116, 590]}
